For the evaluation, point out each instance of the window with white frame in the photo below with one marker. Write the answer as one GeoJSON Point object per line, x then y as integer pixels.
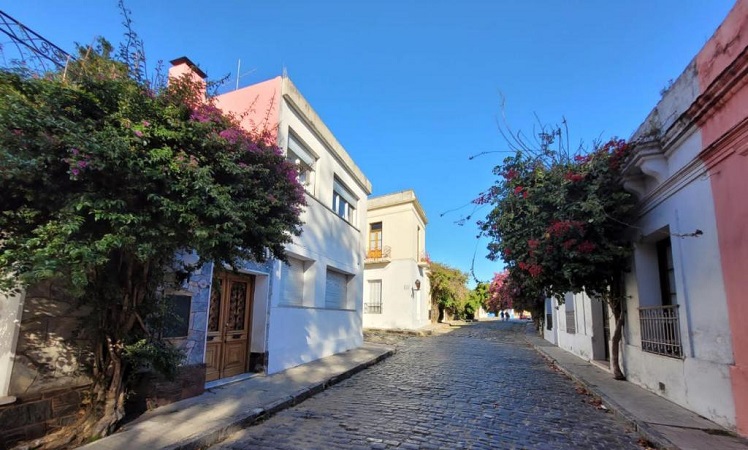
{"type": "Point", "coordinates": [336, 290]}
{"type": "Point", "coordinates": [343, 202]}
{"type": "Point", "coordinates": [304, 159]}
{"type": "Point", "coordinates": [374, 305]}
{"type": "Point", "coordinates": [292, 276]}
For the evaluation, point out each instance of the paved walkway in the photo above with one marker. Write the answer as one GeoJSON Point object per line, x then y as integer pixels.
{"type": "Point", "coordinates": [661, 421]}
{"type": "Point", "coordinates": [202, 421]}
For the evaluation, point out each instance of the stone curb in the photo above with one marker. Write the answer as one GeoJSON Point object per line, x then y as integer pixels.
{"type": "Point", "coordinates": [420, 333]}
{"type": "Point", "coordinates": [641, 427]}
{"type": "Point", "coordinates": [218, 433]}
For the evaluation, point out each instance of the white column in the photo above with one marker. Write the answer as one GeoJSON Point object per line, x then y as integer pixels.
{"type": "Point", "coordinates": [11, 308]}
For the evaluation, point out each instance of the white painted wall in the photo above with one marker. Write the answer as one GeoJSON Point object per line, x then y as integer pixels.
{"type": "Point", "coordinates": [402, 307]}
{"type": "Point", "coordinates": [404, 233]}
{"type": "Point", "coordinates": [588, 340]}
{"type": "Point", "coordinates": [301, 334]}
{"type": "Point", "coordinates": [550, 308]}
{"type": "Point", "coordinates": [11, 309]}
{"type": "Point", "coordinates": [700, 381]}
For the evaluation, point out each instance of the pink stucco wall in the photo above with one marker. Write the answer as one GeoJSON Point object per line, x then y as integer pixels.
{"type": "Point", "coordinates": [721, 67]}
{"type": "Point", "coordinates": [257, 106]}
{"type": "Point", "coordinates": [184, 67]}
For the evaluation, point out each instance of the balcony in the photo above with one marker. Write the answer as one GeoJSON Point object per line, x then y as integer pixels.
{"type": "Point", "coordinates": [424, 260]}
{"type": "Point", "coordinates": [379, 255]}
{"type": "Point", "coordinates": [660, 328]}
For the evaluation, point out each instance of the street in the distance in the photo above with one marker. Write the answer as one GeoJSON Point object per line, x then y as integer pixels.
{"type": "Point", "coordinates": [480, 386]}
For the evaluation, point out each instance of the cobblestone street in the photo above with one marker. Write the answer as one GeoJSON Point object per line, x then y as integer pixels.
{"type": "Point", "coordinates": [480, 386]}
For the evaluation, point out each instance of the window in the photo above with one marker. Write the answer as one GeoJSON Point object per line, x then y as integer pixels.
{"type": "Point", "coordinates": [374, 305]}
{"type": "Point", "coordinates": [660, 324]}
{"type": "Point", "coordinates": [667, 272]}
{"type": "Point", "coordinates": [177, 321]}
{"type": "Point", "coordinates": [292, 278]}
{"type": "Point", "coordinates": [336, 290]}
{"type": "Point", "coordinates": [549, 314]}
{"type": "Point", "coordinates": [343, 201]}
{"type": "Point", "coordinates": [375, 240]}
{"type": "Point", "coordinates": [571, 322]}
{"type": "Point", "coordinates": [304, 160]}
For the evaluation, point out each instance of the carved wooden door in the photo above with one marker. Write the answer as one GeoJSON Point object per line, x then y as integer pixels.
{"type": "Point", "coordinates": [229, 319]}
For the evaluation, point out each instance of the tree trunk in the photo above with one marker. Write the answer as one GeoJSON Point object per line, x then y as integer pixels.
{"type": "Point", "coordinates": [114, 397]}
{"type": "Point", "coordinates": [615, 341]}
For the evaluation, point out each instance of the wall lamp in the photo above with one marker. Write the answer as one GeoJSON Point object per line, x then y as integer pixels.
{"type": "Point", "coordinates": [417, 286]}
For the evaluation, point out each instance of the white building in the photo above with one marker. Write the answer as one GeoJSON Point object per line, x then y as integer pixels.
{"type": "Point", "coordinates": [311, 307]}
{"type": "Point", "coordinates": [396, 292]}
{"type": "Point", "coordinates": [579, 325]}
{"type": "Point", "coordinates": [684, 331]}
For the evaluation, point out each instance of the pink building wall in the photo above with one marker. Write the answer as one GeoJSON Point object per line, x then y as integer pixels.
{"type": "Point", "coordinates": [257, 106]}
{"type": "Point", "coordinates": [722, 114]}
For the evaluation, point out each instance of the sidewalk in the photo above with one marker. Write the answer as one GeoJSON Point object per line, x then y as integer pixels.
{"type": "Point", "coordinates": [204, 420]}
{"type": "Point", "coordinates": [660, 421]}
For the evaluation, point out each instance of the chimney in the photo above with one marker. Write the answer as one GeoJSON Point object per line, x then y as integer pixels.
{"type": "Point", "coordinates": [184, 66]}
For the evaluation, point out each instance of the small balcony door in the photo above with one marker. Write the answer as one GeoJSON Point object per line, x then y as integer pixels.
{"type": "Point", "coordinates": [229, 319]}
{"type": "Point", "coordinates": [375, 240]}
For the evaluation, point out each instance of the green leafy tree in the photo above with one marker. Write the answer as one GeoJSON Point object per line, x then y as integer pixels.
{"type": "Point", "coordinates": [478, 298]}
{"type": "Point", "coordinates": [558, 221]}
{"type": "Point", "coordinates": [105, 179]}
{"type": "Point", "coordinates": [448, 289]}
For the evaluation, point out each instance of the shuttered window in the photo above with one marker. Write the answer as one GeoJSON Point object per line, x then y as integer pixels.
{"type": "Point", "coordinates": [304, 160]}
{"type": "Point", "coordinates": [374, 305]}
{"type": "Point", "coordinates": [336, 290]}
{"type": "Point", "coordinates": [343, 202]}
{"type": "Point", "coordinates": [292, 293]}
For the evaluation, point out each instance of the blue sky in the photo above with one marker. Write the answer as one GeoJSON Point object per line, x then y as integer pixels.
{"type": "Point", "coordinates": [413, 88]}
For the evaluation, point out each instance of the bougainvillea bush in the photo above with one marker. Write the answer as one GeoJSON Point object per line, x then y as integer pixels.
{"type": "Point", "coordinates": [559, 223]}
{"type": "Point", "coordinates": [104, 178]}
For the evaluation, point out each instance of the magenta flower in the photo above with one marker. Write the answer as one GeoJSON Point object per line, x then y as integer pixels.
{"type": "Point", "coordinates": [75, 171]}
{"type": "Point", "coordinates": [138, 133]}
{"type": "Point", "coordinates": [82, 164]}
{"type": "Point", "coordinates": [146, 123]}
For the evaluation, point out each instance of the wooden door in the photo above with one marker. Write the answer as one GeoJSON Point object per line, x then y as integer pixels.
{"type": "Point", "coordinates": [229, 319]}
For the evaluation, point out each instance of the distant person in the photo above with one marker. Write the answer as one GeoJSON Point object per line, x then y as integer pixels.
{"type": "Point", "coordinates": [506, 316]}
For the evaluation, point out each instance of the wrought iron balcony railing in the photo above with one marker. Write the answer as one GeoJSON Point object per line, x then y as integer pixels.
{"type": "Point", "coordinates": [660, 328]}
{"type": "Point", "coordinates": [379, 254]}
{"type": "Point", "coordinates": [21, 46]}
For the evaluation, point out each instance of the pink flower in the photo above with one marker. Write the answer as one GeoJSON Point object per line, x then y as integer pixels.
{"type": "Point", "coordinates": [573, 177]}
{"type": "Point", "coordinates": [75, 171]}
{"type": "Point", "coordinates": [510, 174]}
{"type": "Point", "coordinates": [82, 164]}
{"type": "Point", "coordinates": [146, 123]}
{"type": "Point", "coordinates": [138, 133]}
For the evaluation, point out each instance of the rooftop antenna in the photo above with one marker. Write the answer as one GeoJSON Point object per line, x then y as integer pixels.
{"type": "Point", "coordinates": [239, 74]}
